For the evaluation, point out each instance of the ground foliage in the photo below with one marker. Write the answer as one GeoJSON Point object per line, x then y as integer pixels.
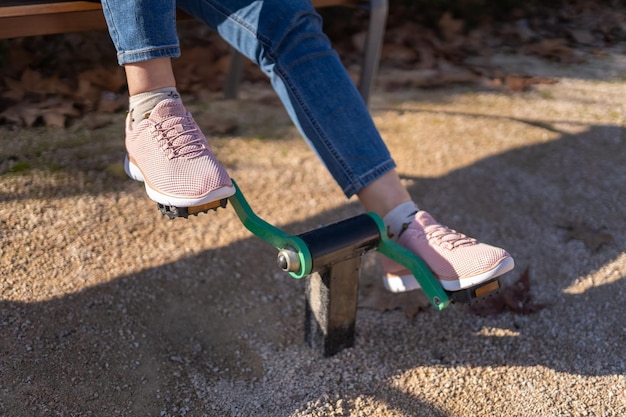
{"type": "Point", "coordinates": [52, 80]}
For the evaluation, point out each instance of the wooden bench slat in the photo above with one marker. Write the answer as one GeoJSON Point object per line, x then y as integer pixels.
{"type": "Point", "coordinates": [48, 8]}
{"type": "Point", "coordinates": [75, 16]}
{"type": "Point", "coordinates": [77, 6]}
{"type": "Point", "coordinates": [16, 27]}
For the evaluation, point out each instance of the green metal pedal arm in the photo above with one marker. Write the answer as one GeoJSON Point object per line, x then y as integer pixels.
{"type": "Point", "coordinates": [271, 234]}
{"type": "Point", "coordinates": [398, 253]}
{"type": "Point", "coordinates": [295, 256]}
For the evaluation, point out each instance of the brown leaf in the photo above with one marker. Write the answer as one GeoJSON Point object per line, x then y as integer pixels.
{"type": "Point", "coordinates": [555, 49]}
{"type": "Point", "coordinates": [12, 115]}
{"type": "Point", "coordinates": [33, 82]}
{"type": "Point", "coordinates": [516, 83]}
{"type": "Point", "coordinates": [426, 57]}
{"type": "Point", "coordinates": [451, 28]}
{"type": "Point", "coordinates": [53, 111]}
{"type": "Point", "coordinates": [582, 36]}
{"type": "Point", "coordinates": [592, 238]}
{"type": "Point", "coordinates": [87, 94]}
{"type": "Point", "coordinates": [105, 78]}
{"type": "Point", "coordinates": [516, 298]}
{"type": "Point", "coordinates": [54, 118]}
{"type": "Point", "coordinates": [520, 83]}
{"type": "Point", "coordinates": [23, 114]}
{"type": "Point", "coordinates": [15, 90]}
{"type": "Point", "coordinates": [398, 55]}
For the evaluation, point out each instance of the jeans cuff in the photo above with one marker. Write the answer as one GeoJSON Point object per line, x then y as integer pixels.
{"type": "Point", "coordinates": [368, 178]}
{"type": "Point", "coordinates": [130, 57]}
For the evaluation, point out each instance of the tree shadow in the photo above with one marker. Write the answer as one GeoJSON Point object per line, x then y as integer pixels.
{"type": "Point", "coordinates": [199, 336]}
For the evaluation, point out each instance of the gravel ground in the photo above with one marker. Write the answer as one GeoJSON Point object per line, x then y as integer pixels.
{"type": "Point", "coordinates": [109, 309]}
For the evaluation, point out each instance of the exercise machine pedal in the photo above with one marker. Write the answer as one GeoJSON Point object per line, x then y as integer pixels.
{"type": "Point", "coordinates": [330, 258]}
{"type": "Point", "coordinates": [174, 212]}
{"type": "Point", "coordinates": [476, 293]}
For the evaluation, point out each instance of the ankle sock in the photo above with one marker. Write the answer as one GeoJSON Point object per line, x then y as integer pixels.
{"type": "Point", "coordinates": [140, 105]}
{"type": "Point", "coordinates": [399, 218]}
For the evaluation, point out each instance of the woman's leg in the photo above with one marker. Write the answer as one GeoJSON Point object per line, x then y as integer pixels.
{"type": "Point", "coordinates": [149, 75]}
{"type": "Point", "coordinates": [285, 39]}
{"type": "Point", "coordinates": [165, 147]}
{"type": "Point", "coordinates": [142, 30]}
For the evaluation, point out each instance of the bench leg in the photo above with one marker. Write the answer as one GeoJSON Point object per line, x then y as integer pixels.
{"type": "Point", "coordinates": [378, 10]}
{"type": "Point", "coordinates": [373, 45]}
{"type": "Point", "coordinates": [234, 75]}
{"type": "Point", "coordinates": [331, 306]}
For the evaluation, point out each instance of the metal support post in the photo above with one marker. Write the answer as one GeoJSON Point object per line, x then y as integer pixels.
{"type": "Point", "coordinates": [331, 307]}
{"type": "Point", "coordinates": [332, 289]}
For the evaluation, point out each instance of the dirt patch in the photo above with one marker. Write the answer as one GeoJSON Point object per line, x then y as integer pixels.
{"type": "Point", "coordinates": [107, 308]}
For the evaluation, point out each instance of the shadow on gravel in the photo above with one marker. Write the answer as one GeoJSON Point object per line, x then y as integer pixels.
{"type": "Point", "coordinates": [204, 328]}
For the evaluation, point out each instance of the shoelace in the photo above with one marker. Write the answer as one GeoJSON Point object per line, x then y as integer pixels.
{"type": "Point", "coordinates": [177, 143]}
{"type": "Point", "coordinates": [447, 236]}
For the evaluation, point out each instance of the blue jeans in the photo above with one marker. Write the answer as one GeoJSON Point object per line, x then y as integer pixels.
{"type": "Point", "coordinates": [285, 38]}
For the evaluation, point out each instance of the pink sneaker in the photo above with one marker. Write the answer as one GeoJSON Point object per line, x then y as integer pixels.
{"type": "Point", "coordinates": [172, 156]}
{"type": "Point", "coordinates": [458, 261]}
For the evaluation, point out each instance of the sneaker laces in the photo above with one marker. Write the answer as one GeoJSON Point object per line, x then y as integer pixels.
{"type": "Point", "coordinates": [447, 237]}
{"type": "Point", "coordinates": [180, 139]}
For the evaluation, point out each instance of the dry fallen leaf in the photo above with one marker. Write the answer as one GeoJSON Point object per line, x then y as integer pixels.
{"type": "Point", "coordinates": [398, 55]}
{"type": "Point", "coordinates": [582, 36]}
{"type": "Point", "coordinates": [451, 28]}
{"type": "Point", "coordinates": [592, 238]}
{"type": "Point", "coordinates": [34, 82]}
{"type": "Point", "coordinates": [53, 111]}
{"type": "Point", "coordinates": [520, 83]}
{"type": "Point", "coordinates": [516, 298]}
{"type": "Point", "coordinates": [106, 78]}
{"type": "Point", "coordinates": [38, 69]}
{"type": "Point", "coordinates": [15, 90]}
{"type": "Point", "coordinates": [555, 49]}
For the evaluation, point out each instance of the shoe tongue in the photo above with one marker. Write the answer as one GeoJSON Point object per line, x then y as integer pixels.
{"type": "Point", "coordinates": [430, 225]}
{"type": "Point", "coordinates": [173, 110]}
{"type": "Point", "coordinates": [425, 219]}
{"type": "Point", "coordinates": [169, 107]}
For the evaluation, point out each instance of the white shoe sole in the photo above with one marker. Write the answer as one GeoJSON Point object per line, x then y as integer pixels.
{"type": "Point", "coordinates": [135, 173]}
{"type": "Point", "coordinates": [404, 283]}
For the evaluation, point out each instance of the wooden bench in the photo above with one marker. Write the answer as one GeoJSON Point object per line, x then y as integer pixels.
{"type": "Point", "coordinates": [45, 17]}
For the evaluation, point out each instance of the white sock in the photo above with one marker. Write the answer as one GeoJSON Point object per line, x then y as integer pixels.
{"type": "Point", "coordinates": [399, 218]}
{"type": "Point", "coordinates": [140, 105]}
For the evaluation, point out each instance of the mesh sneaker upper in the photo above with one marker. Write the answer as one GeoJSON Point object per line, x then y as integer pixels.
{"type": "Point", "coordinates": [173, 154]}
{"type": "Point", "coordinates": [449, 254]}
